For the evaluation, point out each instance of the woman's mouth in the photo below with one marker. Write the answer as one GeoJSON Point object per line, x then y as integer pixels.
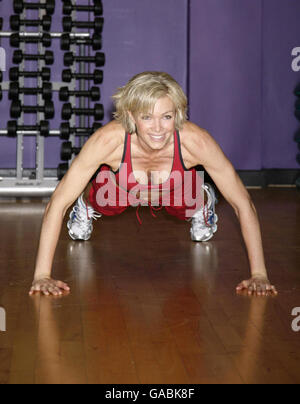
{"type": "Point", "coordinates": [157, 138]}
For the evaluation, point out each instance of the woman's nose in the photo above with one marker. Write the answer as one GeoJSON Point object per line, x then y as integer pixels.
{"type": "Point", "coordinates": [157, 125]}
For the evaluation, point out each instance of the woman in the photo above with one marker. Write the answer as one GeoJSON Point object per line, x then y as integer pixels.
{"type": "Point", "coordinates": [148, 147]}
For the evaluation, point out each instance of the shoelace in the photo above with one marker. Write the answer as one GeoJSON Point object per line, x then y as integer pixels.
{"type": "Point", "coordinates": [83, 220]}
{"type": "Point", "coordinates": [94, 216]}
{"type": "Point", "coordinates": [202, 220]}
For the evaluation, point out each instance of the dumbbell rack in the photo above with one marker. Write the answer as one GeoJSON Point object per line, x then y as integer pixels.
{"type": "Point", "coordinates": [36, 183]}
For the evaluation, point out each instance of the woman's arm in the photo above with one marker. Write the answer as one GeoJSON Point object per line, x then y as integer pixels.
{"type": "Point", "coordinates": [94, 153]}
{"type": "Point", "coordinates": [209, 154]}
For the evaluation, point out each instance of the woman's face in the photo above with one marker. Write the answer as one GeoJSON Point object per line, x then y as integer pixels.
{"type": "Point", "coordinates": [156, 129]}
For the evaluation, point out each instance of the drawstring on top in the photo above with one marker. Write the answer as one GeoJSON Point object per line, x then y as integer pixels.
{"type": "Point", "coordinates": [152, 208]}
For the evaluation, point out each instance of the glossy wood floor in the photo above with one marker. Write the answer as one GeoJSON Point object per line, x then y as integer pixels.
{"type": "Point", "coordinates": [150, 306]}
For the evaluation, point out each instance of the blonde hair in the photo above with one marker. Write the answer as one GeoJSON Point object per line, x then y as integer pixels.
{"type": "Point", "coordinates": [141, 93]}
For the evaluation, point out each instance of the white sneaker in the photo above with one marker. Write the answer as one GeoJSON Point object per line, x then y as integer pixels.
{"type": "Point", "coordinates": [80, 224]}
{"type": "Point", "coordinates": [204, 222]}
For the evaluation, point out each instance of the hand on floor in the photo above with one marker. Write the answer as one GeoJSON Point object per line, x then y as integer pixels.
{"type": "Point", "coordinates": [49, 287]}
{"type": "Point", "coordinates": [260, 286]}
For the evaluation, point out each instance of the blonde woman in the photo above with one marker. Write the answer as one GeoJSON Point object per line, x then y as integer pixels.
{"type": "Point", "coordinates": [147, 154]}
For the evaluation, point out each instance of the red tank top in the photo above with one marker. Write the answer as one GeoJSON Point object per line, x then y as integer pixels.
{"type": "Point", "coordinates": [172, 192]}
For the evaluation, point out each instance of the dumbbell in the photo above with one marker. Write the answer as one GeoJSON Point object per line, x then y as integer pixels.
{"type": "Point", "coordinates": [62, 170]}
{"type": "Point", "coordinates": [16, 23]}
{"type": "Point", "coordinates": [15, 73]}
{"type": "Point", "coordinates": [66, 130]}
{"type": "Point", "coordinates": [97, 8]}
{"type": "Point", "coordinates": [98, 59]}
{"type": "Point", "coordinates": [298, 158]}
{"type": "Point", "coordinates": [297, 90]}
{"type": "Point", "coordinates": [1, 94]}
{"type": "Point", "coordinates": [44, 130]}
{"type": "Point", "coordinates": [1, 76]}
{"type": "Point", "coordinates": [297, 104]}
{"type": "Point", "coordinates": [96, 25]}
{"type": "Point", "coordinates": [93, 94]}
{"type": "Point", "coordinates": [67, 150]}
{"type": "Point", "coordinates": [66, 41]}
{"type": "Point", "coordinates": [13, 128]}
{"type": "Point", "coordinates": [15, 91]}
{"type": "Point", "coordinates": [19, 56]}
{"type": "Point", "coordinates": [20, 5]}
{"type": "Point", "coordinates": [97, 76]}
{"type": "Point", "coordinates": [68, 111]}
{"type": "Point", "coordinates": [16, 39]}
{"type": "Point", "coordinates": [17, 109]}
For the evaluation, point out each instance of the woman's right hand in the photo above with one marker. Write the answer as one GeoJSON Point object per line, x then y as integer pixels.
{"type": "Point", "coordinates": [49, 287]}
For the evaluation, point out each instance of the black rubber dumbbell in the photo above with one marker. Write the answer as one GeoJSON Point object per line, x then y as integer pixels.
{"type": "Point", "coordinates": [93, 94]}
{"type": "Point", "coordinates": [19, 56]}
{"type": "Point", "coordinates": [20, 6]}
{"type": "Point", "coordinates": [15, 73]}
{"type": "Point", "coordinates": [15, 91]}
{"type": "Point", "coordinates": [67, 150]}
{"type": "Point", "coordinates": [17, 108]}
{"type": "Point", "coordinates": [97, 8]}
{"type": "Point", "coordinates": [62, 170]}
{"type": "Point", "coordinates": [96, 77]}
{"type": "Point", "coordinates": [96, 25]}
{"type": "Point", "coordinates": [16, 39]}
{"type": "Point", "coordinates": [13, 128]}
{"type": "Point", "coordinates": [68, 111]}
{"type": "Point", "coordinates": [66, 131]}
{"type": "Point", "coordinates": [66, 41]}
{"type": "Point", "coordinates": [16, 23]}
{"type": "Point", "coordinates": [98, 59]}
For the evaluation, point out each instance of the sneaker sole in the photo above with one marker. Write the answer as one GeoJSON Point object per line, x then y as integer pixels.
{"type": "Point", "coordinates": [205, 239]}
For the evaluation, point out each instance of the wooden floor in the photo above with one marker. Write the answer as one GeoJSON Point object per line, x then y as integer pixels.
{"type": "Point", "coordinates": [150, 306]}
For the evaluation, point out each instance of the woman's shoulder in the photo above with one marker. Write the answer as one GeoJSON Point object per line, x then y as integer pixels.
{"type": "Point", "coordinates": [111, 138]}
{"type": "Point", "coordinates": [192, 134]}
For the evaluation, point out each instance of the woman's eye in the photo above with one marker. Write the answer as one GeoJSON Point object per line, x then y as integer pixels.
{"type": "Point", "coordinates": [168, 117]}
{"type": "Point", "coordinates": [145, 117]}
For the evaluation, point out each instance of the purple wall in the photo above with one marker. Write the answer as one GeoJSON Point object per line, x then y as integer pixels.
{"type": "Point", "coordinates": [281, 34]}
{"type": "Point", "coordinates": [241, 80]}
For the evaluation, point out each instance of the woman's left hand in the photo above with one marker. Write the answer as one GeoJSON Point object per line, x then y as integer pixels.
{"type": "Point", "coordinates": [257, 285]}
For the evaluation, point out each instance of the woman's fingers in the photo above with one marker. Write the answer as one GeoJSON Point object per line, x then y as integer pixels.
{"type": "Point", "coordinates": [260, 287]}
{"type": "Point", "coordinates": [62, 285]}
{"type": "Point", "coordinates": [243, 285]}
{"type": "Point", "coordinates": [49, 287]}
